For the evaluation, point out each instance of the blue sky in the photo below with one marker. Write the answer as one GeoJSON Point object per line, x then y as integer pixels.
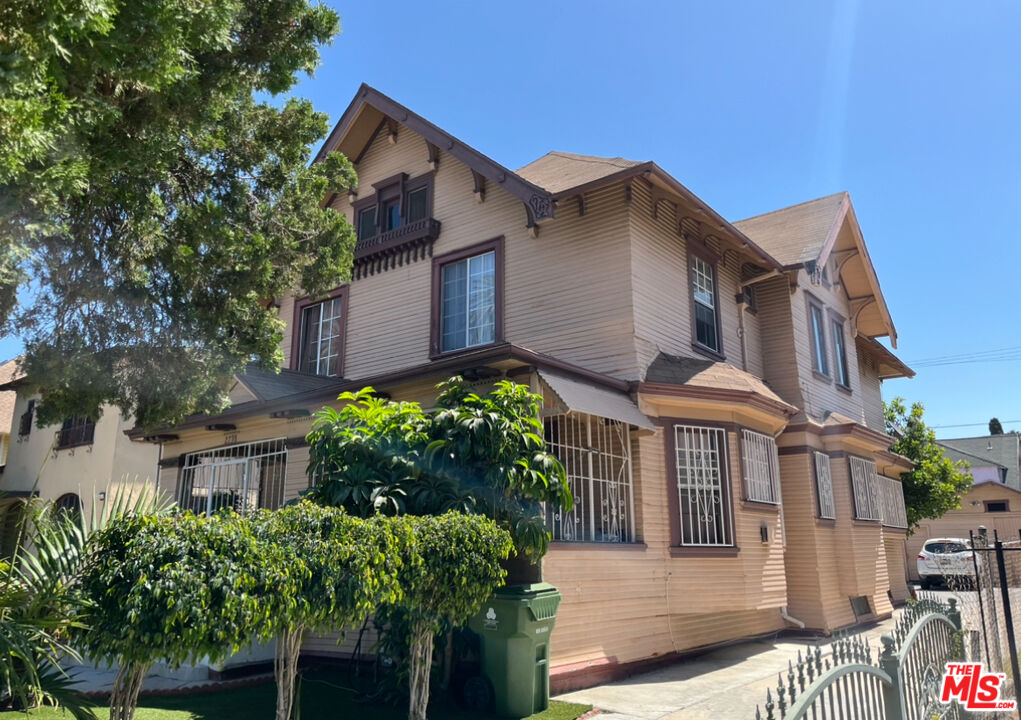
{"type": "Point", "coordinates": [912, 107]}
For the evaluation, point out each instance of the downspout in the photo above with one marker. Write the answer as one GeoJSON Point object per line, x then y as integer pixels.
{"type": "Point", "coordinates": [790, 618]}
{"type": "Point", "coordinates": [741, 305]}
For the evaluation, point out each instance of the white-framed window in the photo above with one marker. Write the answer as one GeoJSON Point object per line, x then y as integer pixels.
{"type": "Point", "coordinates": [243, 477]}
{"type": "Point", "coordinates": [322, 333]}
{"type": "Point", "coordinates": [596, 453]}
{"type": "Point", "coordinates": [891, 495]}
{"type": "Point", "coordinates": [865, 484]}
{"type": "Point", "coordinates": [761, 467]}
{"type": "Point", "coordinates": [703, 483]}
{"type": "Point", "coordinates": [824, 486]}
{"type": "Point", "coordinates": [468, 302]}
{"type": "Point", "coordinates": [817, 330]}
{"type": "Point", "coordinates": [703, 293]}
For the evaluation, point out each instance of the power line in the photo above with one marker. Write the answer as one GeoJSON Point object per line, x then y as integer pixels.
{"type": "Point", "coordinates": [979, 424]}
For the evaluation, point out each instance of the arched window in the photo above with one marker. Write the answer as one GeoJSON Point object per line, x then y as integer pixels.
{"type": "Point", "coordinates": [70, 504]}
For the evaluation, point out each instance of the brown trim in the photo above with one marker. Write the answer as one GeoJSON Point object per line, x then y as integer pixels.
{"type": "Point", "coordinates": [565, 546]}
{"type": "Point", "coordinates": [496, 246]}
{"type": "Point", "coordinates": [697, 551]}
{"type": "Point", "coordinates": [674, 502]}
{"type": "Point", "coordinates": [298, 328]}
{"type": "Point", "coordinates": [723, 395]}
{"type": "Point", "coordinates": [797, 450]}
{"type": "Point", "coordinates": [759, 506]}
{"type": "Point", "coordinates": [442, 367]}
{"type": "Point", "coordinates": [817, 352]}
{"type": "Point", "coordinates": [538, 200]}
{"type": "Point", "coordinates": [699, 250]}
{"type": "Point", "coordinates": [836, 319]}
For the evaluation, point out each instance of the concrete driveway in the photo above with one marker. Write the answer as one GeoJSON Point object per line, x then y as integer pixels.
{"type": "Point", "coordinates": [719, 685]}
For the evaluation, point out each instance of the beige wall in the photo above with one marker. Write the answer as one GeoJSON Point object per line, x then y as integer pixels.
{"type": "Point", "coordinates": [112, 460]}
{"type": "Point", "coordinates": [565, 293]}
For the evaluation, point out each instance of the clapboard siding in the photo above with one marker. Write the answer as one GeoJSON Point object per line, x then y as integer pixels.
{"type": "Point", "coordinates": [895, 562]}
{"type": "Point", "coordinates": [780, 364]}
{"type": "Point", "coordinates": [650, 602]}
{"type": "Point", "coordinates": [565, 292]}
{"type": "Point", "coordinates": [871, 393]}
{"type": "Point", "coordinates": [661, 287]}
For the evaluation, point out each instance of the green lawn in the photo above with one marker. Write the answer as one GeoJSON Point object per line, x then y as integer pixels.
{"type": "Point", "coordinates": [324, 694]}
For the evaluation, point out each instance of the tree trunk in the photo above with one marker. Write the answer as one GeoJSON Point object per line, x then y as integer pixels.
{"type": "Point", "coordinates": [285, 669]}
{"type": "Point", "coordinates": [421, 660]}
{"type": "Point", "coordinates": [124, 696]}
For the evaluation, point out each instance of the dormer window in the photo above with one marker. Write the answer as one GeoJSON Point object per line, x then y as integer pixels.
{"type": "Point", "coordinates": [396, 202]}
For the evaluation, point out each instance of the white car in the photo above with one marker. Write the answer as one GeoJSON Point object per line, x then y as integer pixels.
{"type": "Point", "coordinates": [941, 559]}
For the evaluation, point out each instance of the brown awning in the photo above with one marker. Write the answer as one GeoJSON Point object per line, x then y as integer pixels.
{"type": "Point", "coordinates": [583, 397]}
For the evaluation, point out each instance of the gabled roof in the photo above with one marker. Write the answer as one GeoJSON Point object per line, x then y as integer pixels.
{"type": "Point", "coordinates": [709, 374]}
{"type": "Point", "coordinates": [559, 171]}
{"type": "Point", "coordinates": [268, 386]}
{"type": "Point", "coordinates": [888, 364]}
{"type": "Point", "coordinates": [370, 109]}
{"type": "Point", "coordinates": [985, 461]}
{"type": "Point", "coordinates": [808, 234]}
{"type": "Point", "coordinates": [797, 234]}
{"type": "Point", "coordinates": [567, 175]}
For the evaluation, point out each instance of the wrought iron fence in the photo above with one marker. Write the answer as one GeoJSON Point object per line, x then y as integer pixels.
{"type": "Point", "coordinates": [901, 684]}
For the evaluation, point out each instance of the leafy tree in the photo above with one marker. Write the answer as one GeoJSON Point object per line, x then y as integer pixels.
{"type": "Point", "coordinates": [336, 570]}
{"type": "Point", "coordinates": [995, 428]}
{"type": "Point", "coordinates": [478, 454]}
{"type": "Point", "coordinates": [459, 567]}
{"type": "Point", "coordinates": [173, 588]}
{"type": "Point", "coordinates": [153, 201]}
{"type": "Point", "coordinates": [41, 600]}
{"type": "Point", "coordinates": [936, 483]}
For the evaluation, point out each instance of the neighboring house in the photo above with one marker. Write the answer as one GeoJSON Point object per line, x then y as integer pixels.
{"type": "Point", "coordinates": [981, 469]}
{"type": "Point", "coordinates": [989, 503]}
{"type": "Point", "coordinates": [713, 389]}
{"type": "Point", "coordinates": [993, 451]}
{"type": "Point", "coordinates": [73, 462]}
{"type": "Point", "coordinates": [8, 371]}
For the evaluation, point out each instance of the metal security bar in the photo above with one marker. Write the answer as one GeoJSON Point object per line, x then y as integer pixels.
{"type": "Point", "coordinates": [243, 477]}
{"type": "Point", "coordinates": [761, 467]}
{"type": "Point", "coordinates": [865, 484]}
{"type": "Point", "coordinates": [703, 485]}
{"type": "Point", "coordinates": [824, 486]}
{"type": "Point", "coordinates": [891, 497]}
{"type": "Point", "coordinates": [596, 453]}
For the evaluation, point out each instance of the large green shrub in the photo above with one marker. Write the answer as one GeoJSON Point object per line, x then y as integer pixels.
{"type": "Point", "coordinates": [173, 588]}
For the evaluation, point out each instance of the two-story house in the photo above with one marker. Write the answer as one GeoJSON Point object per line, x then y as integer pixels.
{"type": "Point", "coordinates": [73, 464]}
{"type": "Point", "coordinates": [725, 487]}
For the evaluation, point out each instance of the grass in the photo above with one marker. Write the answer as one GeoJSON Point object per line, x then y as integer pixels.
{"type": "Point", "coordinates": [324, 694]}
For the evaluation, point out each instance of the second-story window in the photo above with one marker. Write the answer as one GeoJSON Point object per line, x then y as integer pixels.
{"type": "Point", "coordinates": [703, 295]}
{"type": "Point", "coordinates": [322, 337]}
{"type": "Point", "coordinates": [817, 333]}
{"type": "Point", "coordinates": [467, 298]}
{"type": "Point", "coordinates": [395, 203]}
{"type": "Point", "coordinates": [843, 378]}
{"type": "Point", "coordinates": [366, 222]}
{"type": "Point", "coordinates": [25, 422]}
{"type": "Point", "coordinates": [77, 430]}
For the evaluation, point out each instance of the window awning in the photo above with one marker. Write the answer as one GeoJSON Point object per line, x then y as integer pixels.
{"type": "Point", "coordinates": [584, 397]}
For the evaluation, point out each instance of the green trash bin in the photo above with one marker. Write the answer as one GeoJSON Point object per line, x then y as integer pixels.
{"type": "Point", "coordinates": [515, 626]}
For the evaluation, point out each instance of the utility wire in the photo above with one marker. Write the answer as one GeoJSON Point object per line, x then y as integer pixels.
{"type": "Point", "coordinates": [979, 424]}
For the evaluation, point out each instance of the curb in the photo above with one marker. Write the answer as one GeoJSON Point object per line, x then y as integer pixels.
{"type": "Point", "coordinates": [206, 687]}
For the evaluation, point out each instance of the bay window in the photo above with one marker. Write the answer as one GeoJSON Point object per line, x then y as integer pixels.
{"type": "Point", "coordinates": [703, 486]}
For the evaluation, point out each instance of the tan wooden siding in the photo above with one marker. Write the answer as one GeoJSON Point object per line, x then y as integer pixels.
{"type": "Point", "coordinates": [820, 395]}
{"type": "Point", "coordinates": [650, 601]}
{"type": "Point", "coordinates": [830, 561]}
{"type": "Point", "coordinates": [871, 393]}
{"type": "Point", "coordinates": [895, 561]}
{"type": "Point", "coordinates": [565, 292]}
{"type": "Point", "coordinates": [777, 339]}
{"type": "Point", "coordinates": [659, 277]}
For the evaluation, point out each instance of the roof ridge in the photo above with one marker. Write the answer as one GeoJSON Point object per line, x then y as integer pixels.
{"type": "Point", "coordinates": [792, 207]}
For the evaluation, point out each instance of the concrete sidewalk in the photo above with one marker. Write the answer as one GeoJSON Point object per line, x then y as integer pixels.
{"type": "Point", "coordinates": [720, 685]}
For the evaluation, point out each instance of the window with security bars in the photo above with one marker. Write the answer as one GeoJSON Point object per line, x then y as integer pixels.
{"type": "Point", "coordinates": [596, 454]}
{"type": "Point", "coordinates": [891, 495]}
{"type": "Point", "coordinates": [865, 484]}
{"type": "Point", "coordinates": [824, 486]}
{"type": "Point", "coordinates": [702, 485]}
{"type": "Point", "coordinates": [761, 467]}
{"type": "Point", "coordinates": [243, 477]}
